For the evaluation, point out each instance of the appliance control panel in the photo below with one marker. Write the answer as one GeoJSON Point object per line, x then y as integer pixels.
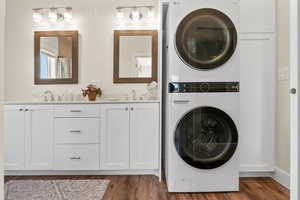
{"type": "Point", "coordinates": [204, 87]}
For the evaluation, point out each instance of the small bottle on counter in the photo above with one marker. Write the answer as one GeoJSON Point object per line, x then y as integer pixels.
{"type": "Point", "coordinates": [133, 93]}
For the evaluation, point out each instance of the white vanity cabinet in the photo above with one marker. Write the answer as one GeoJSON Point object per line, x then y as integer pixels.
{"type": "Point", "coordinates": [76, 137]}
{"type": "Point", "coordinates": [102, 138]}
{"type": "Point", "coordinates": [115, 136]}
{"type": "Point", "coordinates": [130, 136]}
{"type": "Point", "coordinates": [14, 138]}
{"type": "Point", "coordinates": [144, 129]}
{"type": "Point", "coordinates": [28, 137]}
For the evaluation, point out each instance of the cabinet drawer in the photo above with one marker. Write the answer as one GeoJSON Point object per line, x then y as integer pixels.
{"type": "Point", "coordinates": [77, 111]}
{"type": "Point", "coordinates": [76, 157]}
{"type": "Point", "coordinates": [76, 130]}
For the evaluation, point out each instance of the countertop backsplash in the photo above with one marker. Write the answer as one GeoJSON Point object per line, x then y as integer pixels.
{"type": "Point", "coordinates": [74, 93]}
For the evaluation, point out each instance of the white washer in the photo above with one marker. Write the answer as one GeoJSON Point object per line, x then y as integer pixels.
{"type": "Point", "coordinates": [202, 40]}
{"type": "Point", "coordinates": [202, 121]}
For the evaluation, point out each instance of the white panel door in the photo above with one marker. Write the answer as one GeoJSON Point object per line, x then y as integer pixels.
{"type": "Point", "coordinates": [258, 97]}
{"type": "Point", "coordinates": [144, 120]}
{"type": "Point", "coordinates": [258, 16]}
{"type": "Point", "coordinates": [295, 108]}
{"type": "Point", "coordinates": [39, 137]}
{"type": "Point", "coordinates": [115, 137]}
{"type": "Point", "coordinates": [14, 138]}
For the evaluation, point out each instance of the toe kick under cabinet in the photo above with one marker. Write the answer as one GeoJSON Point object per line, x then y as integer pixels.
{"type": "Point", "coordinates": [103, 138]}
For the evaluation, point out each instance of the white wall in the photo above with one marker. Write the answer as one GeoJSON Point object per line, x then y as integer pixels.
{"type": "Point", "coordinates": [2, 21]}
{"type": "Point", "coordinates": [95, 20]}
{"type": "Point", "coordinates": [283, 119]}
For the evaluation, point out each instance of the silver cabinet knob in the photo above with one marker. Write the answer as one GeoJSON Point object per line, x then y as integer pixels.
{"type": "Point", "coordinates": [76, 131]}
{"type": "Point", "coordinates": [75, 111]}
{"type": "Point", "coordinates": [21, 109]}
{"type": "Point", "coordinates": [126, 109]}
{"type": "Point", "coordinates": [293, 91]}
{"type": "Point", "coordinates": [131, 109]}
{"type": "Point", "coordinates": [75, 158]}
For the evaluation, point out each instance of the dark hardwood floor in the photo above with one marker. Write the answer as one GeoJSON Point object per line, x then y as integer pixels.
{"type": "Point", "coordinates": [149, 188]}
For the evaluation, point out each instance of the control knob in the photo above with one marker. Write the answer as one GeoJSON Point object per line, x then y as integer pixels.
{"type": "Point", "coordinates": [204, 87]}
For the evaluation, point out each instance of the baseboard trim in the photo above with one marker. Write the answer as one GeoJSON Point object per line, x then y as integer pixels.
{"type": "Point", "coordinates": [255, 174]}
{"type": "Point", "coordinates": [80, 173]}
{"type": "Point", "coordinates": [278, 175]}
{"type": "Point", "coordinates": [282, 177]}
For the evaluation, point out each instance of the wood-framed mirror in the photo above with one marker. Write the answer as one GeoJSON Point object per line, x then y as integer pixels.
{"type": "Point", "coordinates": [135, 56]}
{"type": "Point", "coordinates": [56, 57]}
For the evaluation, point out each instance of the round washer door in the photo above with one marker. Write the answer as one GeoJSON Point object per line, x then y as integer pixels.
{"type": "Point", "coordinates": [206, 39]}
{"type": "Point", "coordinates": [206, 138]}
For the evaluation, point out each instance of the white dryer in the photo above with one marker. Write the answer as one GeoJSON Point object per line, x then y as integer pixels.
{"type": "Point", "coordinates": [201, 141]}
{"type": "Point", "coordinates": [202, 40]}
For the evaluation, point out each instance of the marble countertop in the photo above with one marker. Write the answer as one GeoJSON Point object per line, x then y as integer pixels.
{"type": "Point", "coordinates": [100, 101]}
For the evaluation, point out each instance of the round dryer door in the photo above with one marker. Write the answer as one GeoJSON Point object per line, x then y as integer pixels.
{"type": "Point", "coordinates": [206, 39]}
{"type": "Point", "coordinates": [206, 138]}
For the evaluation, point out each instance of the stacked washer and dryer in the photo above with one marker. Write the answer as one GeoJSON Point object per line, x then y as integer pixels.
{"type": "Point", "coordinates": [202, 96]}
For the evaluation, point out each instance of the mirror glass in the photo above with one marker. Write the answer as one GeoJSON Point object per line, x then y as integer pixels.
{"type": "Point", "coordinates": [56, 57]}
{"type": "Point", "coordinates": [135, 57]}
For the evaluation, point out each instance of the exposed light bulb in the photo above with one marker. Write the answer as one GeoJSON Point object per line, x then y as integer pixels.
{"type": "Point", "coordinates": [135, 15]}
{"type": "Point", "coordinates": [150, 12]}
{"type": "Point", "coordinates": [68, 15]}
{"type": "Point", "coordinates": [120, 14]}
{"type": "Point", "coordinates": [52, 15]}
{"type": "Point", "coordinates": [37, 17]}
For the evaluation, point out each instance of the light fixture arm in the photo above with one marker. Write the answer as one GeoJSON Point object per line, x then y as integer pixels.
{"type": "Point", "coordinates": [131, 7]}
{"type": "Point", "coordinates": [49, 8]}
{"type": "Point", "coordinates": [53, 14]}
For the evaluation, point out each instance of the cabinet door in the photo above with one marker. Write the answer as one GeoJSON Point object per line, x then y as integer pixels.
{"type": "Point", "coordinates": [258, 97]}
{"type": "Point", "coordinates": [144, 121]}
{"type": "Point", "coordinates": [258, 16]}
{"type": "Point", "coordinates": [39, 137]}
{"type": "Point", "coordinates": [115, 137]}
{"type": "Point", "coordinates": [14, 133]}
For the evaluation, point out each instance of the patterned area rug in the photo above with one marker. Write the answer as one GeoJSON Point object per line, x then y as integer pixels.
{"type": "Point", "coordinates": [55, 189]}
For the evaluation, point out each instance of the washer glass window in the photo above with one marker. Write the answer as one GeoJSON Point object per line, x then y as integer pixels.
{"type": "Point", "coordinates": [206, 39]}
{"type": "Point", "coordinates": [206, 138]}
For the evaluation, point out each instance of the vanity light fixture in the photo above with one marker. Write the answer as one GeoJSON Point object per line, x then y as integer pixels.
{"type": "Point", "coordinates": [136, 13]}
{"type": "Point", "coordinates": [53, 14]}
{"type": "Point", "coordinates": [68, 14]}
{"type": "Point", "coordinates": [37, 17]}
{"type": "Point", "coordinates": [150, 12]}
{"type": "Point", "coordinates": [120, 14]}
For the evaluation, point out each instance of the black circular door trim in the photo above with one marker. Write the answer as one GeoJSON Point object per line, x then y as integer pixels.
{"type": "Point", "coordinates": [193, 138]}
{"type": "Point", "coordinates": [222, 58]}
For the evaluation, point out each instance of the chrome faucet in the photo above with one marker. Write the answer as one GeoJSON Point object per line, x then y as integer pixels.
{"type": "Point", "coordinates": [51, 95]}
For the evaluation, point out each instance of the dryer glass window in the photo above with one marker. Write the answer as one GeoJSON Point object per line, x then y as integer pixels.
{"type": "Point", "coordinates": [206, 138]}
{"type": "Point", "coordinates": [206, 39]}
